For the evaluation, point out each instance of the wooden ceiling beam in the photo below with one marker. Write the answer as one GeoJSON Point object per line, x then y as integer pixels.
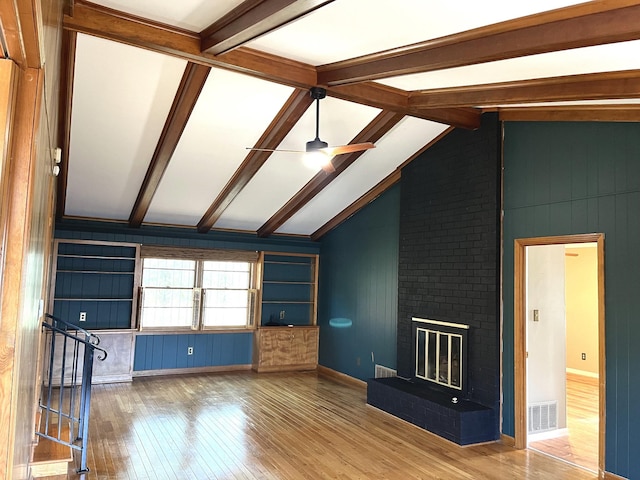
{"type": "Point", "coordinates": [390, 98]}
{"type": "Point", "coordinates": [287, 117]}
{"type": "Point", "coordinates": [373, 132]}
{"type": "Point", "coordinates": [251, 19]}
{"type": "Point", "coordinates": [124, 28]}
{"type": "Point", "coordinates": [582, 25]}
{"type": "Point", "coordinates": [67, 69]}
{"type": "Point", "coordinates": [193, 80]}
{"type": "Point", "coordinates": [572, 113]}
{"type": "Point", "coordinates": [591, 86]}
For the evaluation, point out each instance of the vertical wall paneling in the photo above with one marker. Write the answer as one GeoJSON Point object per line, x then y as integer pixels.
{"type": "Point", "coordinates": [572, 178]}
{"type": "Point", "coordinates": [358, 290]}
{"type": "Point", "coordinates": [170, 351]}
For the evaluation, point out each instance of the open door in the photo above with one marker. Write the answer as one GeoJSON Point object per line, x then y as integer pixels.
{"type": "Point", "coordinates": [521, 351]}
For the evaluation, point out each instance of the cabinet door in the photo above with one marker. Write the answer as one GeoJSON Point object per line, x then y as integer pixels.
{"type": "Point", "coordinates": [275, 347]}
{"type": "Point", "coordinates": [304, 347]}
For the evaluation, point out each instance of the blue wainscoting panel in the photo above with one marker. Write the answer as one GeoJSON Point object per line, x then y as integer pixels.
{"type": "Point", "coordinates": [168, 351]}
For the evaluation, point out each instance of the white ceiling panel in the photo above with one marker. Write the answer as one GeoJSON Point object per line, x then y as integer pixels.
{"type": "Point", "coordinates": [601, 58]}
{"type": "Point", "coordinates": [212, 146]}
{"type": "Point", "coordinates": [351, 28]}
{"type": "Point", "coordinates": [121, 98]}
{"type": "Point", "coordinates": [284, 173]}
{"type": "Point", "coordinates": [403, 141]}
{"type": "Point", "coordinates": [193, 15]}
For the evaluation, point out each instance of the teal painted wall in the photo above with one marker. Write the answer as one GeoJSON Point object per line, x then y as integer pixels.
{"type": "Point", "coordinates": [358, 281]}
{"type": "Point", "coordinates": [571, 178]}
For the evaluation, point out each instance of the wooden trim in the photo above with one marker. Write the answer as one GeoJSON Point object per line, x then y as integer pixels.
{"type": "Point", "coordinates": [380, 125]}
{"type": "Point", "coordinates": [359, 204]}
{"type": "Point", "coordinates": [193, 80]}
{"type": "Point", "coordinates": [572, 113]}
{"type": "Point", "coordinates": [192, 370]}
{"type": "Point", "coordinates": [341, 377]}
{"type": "Point", "coordinates": [591, 86]}
{"type": "Point", "coordinates": [251, 19]}
{"type": "Point", "coordinates": [571, 27]}
{"type": "Point", "coordinates": [67, 72]}
{"type": "Point", "coordinates": [131, 30]}
{"type": "Point", "coordinates": [21, 29]}
{"type": "Point", "coordinates": [285, 368]}
{"type": "Point", "coordinates": [520, 374]}
{"type": "Point", "coordinates": [507, 440]}
{"type": "Point", "coordinates": [20, 175]}
{"type": "Point", "coordinates": [188, 253]}
{"type": "Point", "coordinates": [287, 117]}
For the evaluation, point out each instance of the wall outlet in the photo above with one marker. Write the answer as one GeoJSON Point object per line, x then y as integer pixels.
{"type": "Point", "coordinates": [190, 351]}
{"type": "Point", "coordinates": [83, 316]}
{"type": "Point", "coordinates": [584, 356]}
{"type": "Point", "coordinates": [281, 314]}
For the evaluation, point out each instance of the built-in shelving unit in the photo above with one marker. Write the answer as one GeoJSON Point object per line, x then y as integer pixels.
{"type": "Point", "coordinates": [289, 289]}
{"type": "Point", "coordinates": [94, 283]}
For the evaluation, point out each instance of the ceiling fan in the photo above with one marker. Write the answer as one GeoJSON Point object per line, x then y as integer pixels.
{"type": "Point", "coordinates": [319, 153]}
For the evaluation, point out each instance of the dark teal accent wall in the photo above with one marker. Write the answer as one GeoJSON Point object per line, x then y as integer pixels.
{"type": "Point", "coordinates": [572, 178]}
{"type": "Point", "coordinates": [164, 352]}
{"type": "Point", "coordinates": [358, 282]}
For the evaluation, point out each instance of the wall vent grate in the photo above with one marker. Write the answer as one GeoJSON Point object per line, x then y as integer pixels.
{"type": "Point", "coordinates": [543, 416]}
{"type": "Point", "coordinates": [385, 372]}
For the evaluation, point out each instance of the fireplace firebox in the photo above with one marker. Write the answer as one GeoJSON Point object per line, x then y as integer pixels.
{"type": "Point", "coordinates": [440, 353]}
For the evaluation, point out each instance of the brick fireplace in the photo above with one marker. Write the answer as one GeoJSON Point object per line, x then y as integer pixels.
{"type": "Point", "coordinates": [449, 271]}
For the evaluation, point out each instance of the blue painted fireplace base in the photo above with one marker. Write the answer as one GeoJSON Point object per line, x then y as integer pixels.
{"type": "Point", "coordinates": [464, 423]}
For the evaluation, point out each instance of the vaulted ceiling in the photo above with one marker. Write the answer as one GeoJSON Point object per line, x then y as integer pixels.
{"type": "Point", "coordinates": [163, 98]}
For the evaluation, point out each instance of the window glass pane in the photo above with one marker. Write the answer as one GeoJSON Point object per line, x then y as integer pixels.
{"type": "Point", "coordinates": [167, 307]}
{"type": "Point", "coordinates": [161, 272]}
{"type": "Point", "coordinates": [225, 308]}
{"type": "Point", "coordinates": [226, 274]}
{"type": "Point", "coordinates": [443, 367]}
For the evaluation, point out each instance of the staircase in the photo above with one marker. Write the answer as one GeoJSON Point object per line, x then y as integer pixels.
{"type": "Point", "coordinates": [51, 459]}
{"type": "Point", "coordinates": [63, 423]}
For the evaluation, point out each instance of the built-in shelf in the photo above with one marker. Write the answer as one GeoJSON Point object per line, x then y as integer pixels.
{"type": "Point", "coordinates": [94, 283]}
{"type": "Point", "coordinates": [289, 289]}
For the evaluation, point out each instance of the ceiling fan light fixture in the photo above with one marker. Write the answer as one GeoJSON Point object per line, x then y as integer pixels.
{"type": "Point", "coordinates": [316, 159]}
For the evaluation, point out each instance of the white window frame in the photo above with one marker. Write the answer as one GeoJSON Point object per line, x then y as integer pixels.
{"type": "Point", "coordinates": [200, 256]}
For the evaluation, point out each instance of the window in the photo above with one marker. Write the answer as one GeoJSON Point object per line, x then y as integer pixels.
{"type": "Point", "coordinates": [203, 290]}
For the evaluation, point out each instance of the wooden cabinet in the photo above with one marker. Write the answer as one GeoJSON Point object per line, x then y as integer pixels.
{"type": "Point", "coordinates": [285, 348]}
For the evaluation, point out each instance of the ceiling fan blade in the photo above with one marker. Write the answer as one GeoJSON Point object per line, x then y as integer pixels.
{"type": "Point", "coordinates": [351, 148]}
{"type": "Point", "coordinates": [273, 150]}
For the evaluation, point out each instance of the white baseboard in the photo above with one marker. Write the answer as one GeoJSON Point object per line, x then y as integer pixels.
{"type": "Point", "coordinates": [558, 432]}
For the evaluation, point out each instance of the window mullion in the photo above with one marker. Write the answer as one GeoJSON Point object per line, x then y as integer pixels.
{"type": "Point", "coordinates": [201, 294]}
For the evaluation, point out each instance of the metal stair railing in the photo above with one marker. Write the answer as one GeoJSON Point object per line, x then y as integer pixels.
{"type": "Point", "coordinates": [66, 389]}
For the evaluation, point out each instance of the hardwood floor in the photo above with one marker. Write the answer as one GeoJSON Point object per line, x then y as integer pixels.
{"type": "Point", "coordinates": [279, 426]}
{"type": "Point", "coordinates": [580, 446]}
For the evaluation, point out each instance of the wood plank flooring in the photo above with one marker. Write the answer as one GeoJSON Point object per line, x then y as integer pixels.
{"type": "Point", "coordinates": [279, 426]}
{"type": "Point", "coordinates": [580, 446]}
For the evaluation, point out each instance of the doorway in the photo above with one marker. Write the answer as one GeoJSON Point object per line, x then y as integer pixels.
{"type": "Point", "coordinates": [546, 394]}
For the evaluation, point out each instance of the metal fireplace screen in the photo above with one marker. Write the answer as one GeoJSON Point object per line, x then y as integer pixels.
{"type": "Point", "coordinates": [439, 357]}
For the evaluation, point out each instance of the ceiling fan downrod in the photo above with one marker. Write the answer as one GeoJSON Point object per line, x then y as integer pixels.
{"type": "Point", "coordinates": [317, 93]}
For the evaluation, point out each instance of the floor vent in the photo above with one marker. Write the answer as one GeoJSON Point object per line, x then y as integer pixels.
{"type": "Point", "coordinates": [385, 372]}
{"type": "Point", "coordinates": [543, 416]}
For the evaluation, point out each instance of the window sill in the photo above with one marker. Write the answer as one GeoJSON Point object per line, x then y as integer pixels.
{"type": "Point", "coordinates": [184, 331]}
